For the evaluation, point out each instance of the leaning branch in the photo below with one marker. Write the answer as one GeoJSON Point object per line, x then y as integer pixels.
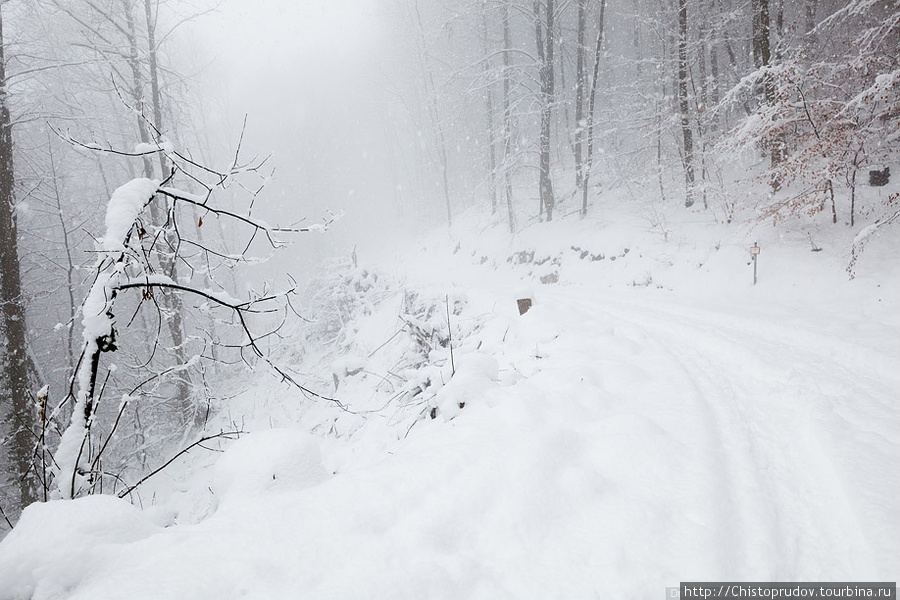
{"type": "Point", "coordinates": [258, 226]}
{"type": "Point", "coordinates": [240, 310]}
{"type": "Point", "coordinates": [228, 435]}
{"type": "Point", "coordinates": [106, 149]}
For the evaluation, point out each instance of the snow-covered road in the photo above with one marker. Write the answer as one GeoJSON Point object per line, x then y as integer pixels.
{"type": "Point", "coordinates": [786, 422]}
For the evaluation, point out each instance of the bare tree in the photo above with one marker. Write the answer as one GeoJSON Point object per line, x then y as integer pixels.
{"type": "Point", "coordinates": [489, 108]}
{"type": "Point", "coordinates": [126, 264]}
{"type": "Point", "coordinates": [129, 47]}
{"type": "Point", "coordinates": [762, 55]}
{"type": "Point", "coordinates": [546, 43]}
{"type": "Point", "coordinates": [585, 179]}
{"type": "Point", "coordinates": [580, 79]}
{"type": "Point", "coordinates": [15, 392]}
{"type": "Point", "coordinates": [507, 115]}
{"type": "Point", "coordinates": [687, 137]}
{"type": "Point", "coordinates": [434, 112]}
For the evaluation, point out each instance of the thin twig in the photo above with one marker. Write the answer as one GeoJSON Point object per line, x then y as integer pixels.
{"type": "Point", "coordinates": [5, 518]}
{"type": "Point", "coordinates": [450, 337]}
{"type": "Point", "coordinates": [228, 435]}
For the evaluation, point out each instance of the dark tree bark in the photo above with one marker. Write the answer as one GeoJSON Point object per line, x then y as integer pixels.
{"type": "Point", "coordinates": [637, 42]}
{"type": "Point", "coordinates": [174, 311]}
{"type": "Point", "coordinates": [172, 302]}
{"type": "Point", "coordinates": [70, 267]}
{"type": "Point", "coordinates": [589, 159]}
{"type": "Point", "coordinates": [153, 64]}
{"type": "Point", "coordinates": [507, 115]}
{"type": "Point", "coordinates": [702, 51]}
{"type": "Point", "coordinates": [714, 69]}
{"type": "Point", "coordinates": [810, 13]}
{"type": "Point", "coordinates": [14, 390]}
{"type": "Point", "coordinates": [137, 89]}
{"type": "Point", "coordinates": [686, 133]}
{"type": "Point", "coordinates": [762, 54]}
{"type": "Point", "coordinates": [489, 110]}
{"type": "Point", "coordinates": [579, 91]}
{"type": "Point", "coordinates": [544, 36]}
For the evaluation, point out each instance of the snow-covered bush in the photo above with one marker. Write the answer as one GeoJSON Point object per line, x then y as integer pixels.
{"type": "Point", "coordinates": [342, 293]}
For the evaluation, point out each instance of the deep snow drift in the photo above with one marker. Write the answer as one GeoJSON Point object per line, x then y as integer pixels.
{"type": "Point", "coordinates": [653, 418]}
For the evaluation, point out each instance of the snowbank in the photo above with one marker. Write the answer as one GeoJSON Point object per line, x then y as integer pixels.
{"type": "Point", "coordinates": [57, 546]}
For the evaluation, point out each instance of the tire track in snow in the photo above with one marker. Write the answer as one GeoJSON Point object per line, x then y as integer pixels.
{"type": "Point", "coordinates": [724, 548]}
{"type": "Point", "coordinates": [814, 512]}
{"type": "Point", "coordinates": [740, 505]}
{"type": "Point", "coordinates": [752, 519]}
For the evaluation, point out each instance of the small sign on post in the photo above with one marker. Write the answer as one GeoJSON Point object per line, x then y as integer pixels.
{"type": "Point", "coordinates": [754, 253]}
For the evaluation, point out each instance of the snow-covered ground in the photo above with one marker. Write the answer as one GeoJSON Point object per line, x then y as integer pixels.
{"type": "Point", "coordinates": [653, 418]}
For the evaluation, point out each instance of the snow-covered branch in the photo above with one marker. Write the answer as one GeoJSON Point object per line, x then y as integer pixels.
{"type": "Point", "coordinates": [127, 252]}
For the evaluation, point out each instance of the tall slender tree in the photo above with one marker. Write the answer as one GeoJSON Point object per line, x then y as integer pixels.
{"type": "Point", "coordinates": [172, 302]}
{"type": "Point", "coordinates": [579, 90]}
{"type": "Point", "coordinates": [433, 107]}
{"type": "Point", "coordinates": [489, 108]}
{"type": "Point", "coordinates": [585, 179]}
{"type": "Point", "coordinates": [546, 43]}
{"type": "Point", "coordinates": [14, 391]}
{"type": "Point", "coordinates": [762, 55]}
{"type": "Point", "coordinates": [507, 114]}
{"type": "Point", "coordinates": [687, 136]}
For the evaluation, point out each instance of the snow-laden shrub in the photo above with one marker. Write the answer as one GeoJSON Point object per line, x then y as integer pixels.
{"type": "Point", "coordinates": [343, 292]}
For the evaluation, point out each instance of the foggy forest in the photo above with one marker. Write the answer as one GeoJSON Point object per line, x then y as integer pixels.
{"type": "Point", "coordinates": [447, 298]}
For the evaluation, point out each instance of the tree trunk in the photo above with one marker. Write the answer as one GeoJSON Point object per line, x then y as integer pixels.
{"type": "Point", "coordinates": [70, 263]}
{"type": "Point", "coordinates": [762, 54]}
{"type": "Point", "coordinates": [686, 134]}
{"type": "Point", "coordinates": [659, 163]}
{"type": "Point", "coordinates": [14, 391]}
{"type": "Point", "coordinates": [172, 302]}
{"type": "Point", "coordinates": [779, 29]}
{"type": "Point", "coordinates": [579, 91]}
{"type": "Point", "coordinates": [585, 181]}
{"type": "Point", "coordinates": [434, 113]}
{"type": "Point", "coordinates": [761, 48]}
{"type": "Point", "coordinates": [714, 71]}
{"type": "Point", "coordinates": [137, 94]}
{"type": "Point", "coordinates": [702, 50]}
{"type": "Point", "coordinates": [489, 110]}
{"type": "Point", "coordinates": [810, 22]}
{"type": "Point", "coordinates": [173, 313]}
{"type": "Point", "coordinates": [851, 183]}
{"type": "Point", "coordinates": [545, 60]}
{"type": "Point", "coordinates": [507, 117]}
{"type": "Point", "coordinates": [829, 187]}
{"type": "Point", "coordinates": [637, 43]}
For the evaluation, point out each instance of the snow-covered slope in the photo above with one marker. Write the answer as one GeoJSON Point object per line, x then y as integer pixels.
{"type": "Point", "coordinates": [653, 418]}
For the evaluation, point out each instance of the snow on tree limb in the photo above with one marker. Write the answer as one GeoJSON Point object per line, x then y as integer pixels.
{"type": "Point", "coordinates": [126, 204]}
{"type": "Point", "coordinates": [125, 262]}
{"type": "Point", "coordinates": [98, 329]}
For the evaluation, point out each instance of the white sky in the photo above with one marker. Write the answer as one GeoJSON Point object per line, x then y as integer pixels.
{"type": "Point", "coordinates": [267, 41]}
{"type": "Point", "coordinates": [303, 71]}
